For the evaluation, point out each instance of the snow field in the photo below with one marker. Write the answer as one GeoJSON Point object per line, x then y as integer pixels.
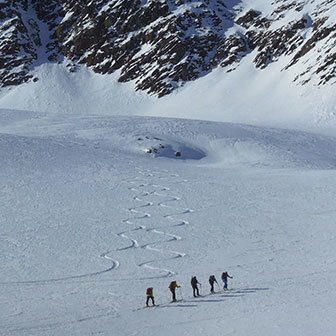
{"type": "Point", "coordinates": [89, 221]}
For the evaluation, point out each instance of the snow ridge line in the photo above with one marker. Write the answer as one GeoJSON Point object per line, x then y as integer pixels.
{"type": "Point", "coordinates": [136, 185]}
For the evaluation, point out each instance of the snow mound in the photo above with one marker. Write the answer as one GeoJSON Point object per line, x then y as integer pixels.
{"type": "Point", "coordinates": [171, 149]}
{"type": "Point", "coordinates": [211, 143]}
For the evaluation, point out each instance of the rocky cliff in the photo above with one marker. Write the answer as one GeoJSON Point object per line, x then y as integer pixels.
{"type": "Point", "coordinates": [161, 44]}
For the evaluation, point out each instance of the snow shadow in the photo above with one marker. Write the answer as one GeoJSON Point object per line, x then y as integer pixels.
{"type": "Point", "coordinates": [217, 300]}
{"type": "Point", "coordinates": [180, 151]}
{"type": "Point", "coordinates": [169, 148]}
{"type": "Point", "coordinates": [253, 289]}
{"type": "Point", "coordinates": [243, 291]}
{"type": "Point", "coordinates": [180, 306]}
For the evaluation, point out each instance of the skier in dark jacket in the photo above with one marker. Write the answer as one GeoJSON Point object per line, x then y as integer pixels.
{"type": "Point", "coordinates": [212, 281]}
{"type": "Point", "coordinates": [225, 277]}
{"type": "Point", "coordinates": [194, 283]}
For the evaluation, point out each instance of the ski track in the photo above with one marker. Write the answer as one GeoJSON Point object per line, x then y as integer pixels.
{"type": "Point", "coordinates": [139, 185]}
{"type": "Point", "coordinates": [115, 265]}
{"type": "Point", "coordinates": [105, 255]}
{"type": "Point", "coordinates": [139, 214]}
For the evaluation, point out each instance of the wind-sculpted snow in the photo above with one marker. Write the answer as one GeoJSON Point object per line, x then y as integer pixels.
{"type": "Point", "coordinates": [282, 148]}
{"type": "Point", "coordinates": [89, 220]}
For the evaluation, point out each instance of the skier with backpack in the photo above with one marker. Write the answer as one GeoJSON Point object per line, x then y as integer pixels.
{"type": "Point", "coordinates": [173, 285]}
{"type": "Point", "coordinates": [212, 281]}
{"type": "Point", "coordinates": [194, 283]}
{"type": "Point", "coordinates": [149, 294]}
{"type": "Point", "coordinates": [225, 277]}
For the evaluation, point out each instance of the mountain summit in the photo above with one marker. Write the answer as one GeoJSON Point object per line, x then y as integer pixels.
{"type": "Point", "coordinates": [162, 44]}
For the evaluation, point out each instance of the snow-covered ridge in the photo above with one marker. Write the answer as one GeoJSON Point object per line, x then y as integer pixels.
{"type": "Point", "coordinates": [162, 45]}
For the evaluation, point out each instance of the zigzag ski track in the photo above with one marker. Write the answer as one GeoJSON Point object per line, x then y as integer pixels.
{"type": "Point", "coordinates": [150, 196]}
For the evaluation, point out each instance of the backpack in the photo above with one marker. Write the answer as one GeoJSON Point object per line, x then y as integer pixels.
{"type": "Point", "coordinates": [172, 285]}
{"type": "Point", "coordinates": [149, 291]}
{"type": "Point", "coordinates": [224, 275]}
{"type": "Point", "coordinates": [212, 278]}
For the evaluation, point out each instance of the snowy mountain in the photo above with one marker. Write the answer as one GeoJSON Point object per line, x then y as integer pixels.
{"type": "Point", "coordinates": [101, 197]}
{"type": "Point", "coordinates": [161, 45]}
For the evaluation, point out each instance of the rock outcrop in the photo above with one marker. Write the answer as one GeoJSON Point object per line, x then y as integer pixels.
{"type": "Point", "coordinates": [161, 44]}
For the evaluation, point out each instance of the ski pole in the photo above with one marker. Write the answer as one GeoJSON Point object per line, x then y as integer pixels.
{"type": "Point", "coordinates": [181, 293]}
{"type": "Point", "coordinates": [218, 286]}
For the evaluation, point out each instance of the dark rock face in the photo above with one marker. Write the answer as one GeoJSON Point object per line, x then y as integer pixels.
{"type": "Point", "coordinates": [17, 48]}
{"type": "Point", "coordinates": [161, 44]}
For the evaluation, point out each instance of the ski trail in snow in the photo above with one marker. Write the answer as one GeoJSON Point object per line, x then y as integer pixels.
{"type": "Point", "coordinates": [145, 190]}
{"type": "Point", "coordinates": [146, 264]}
{"type": "Point", "coordinates": [115, 265]}
{"type": "Point", "coordinates": [133, 245]}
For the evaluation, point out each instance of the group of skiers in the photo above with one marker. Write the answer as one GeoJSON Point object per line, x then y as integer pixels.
{"type": "Point", "coordinates": [194, 284]}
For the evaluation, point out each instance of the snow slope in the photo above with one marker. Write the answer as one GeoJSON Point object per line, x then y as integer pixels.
{"type": "Point", "coordinates": [62, 92]}
{"type": "Point", "coordinates": [247, 95]}
{"type": "Point", "coordinates": [89, 221]}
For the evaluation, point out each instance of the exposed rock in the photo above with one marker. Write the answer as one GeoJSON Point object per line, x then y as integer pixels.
{"type": "Point", "coordinates": [160, 45]}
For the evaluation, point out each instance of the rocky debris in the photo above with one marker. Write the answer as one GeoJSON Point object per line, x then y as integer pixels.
{"type": "Point", "coordinates": [153, 143]}
{"type": "Point", "coordinates": [161, 151]}
{"type": "Point", "coordinates": [160, 45]}
{"type": "Point", "coordinates": [155, 146]}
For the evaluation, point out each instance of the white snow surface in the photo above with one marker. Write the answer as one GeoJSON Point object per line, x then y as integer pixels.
{"type": "Point", "coordinates": [246, 95]}
{"type": "Point", "coordinates": [89, 220]}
